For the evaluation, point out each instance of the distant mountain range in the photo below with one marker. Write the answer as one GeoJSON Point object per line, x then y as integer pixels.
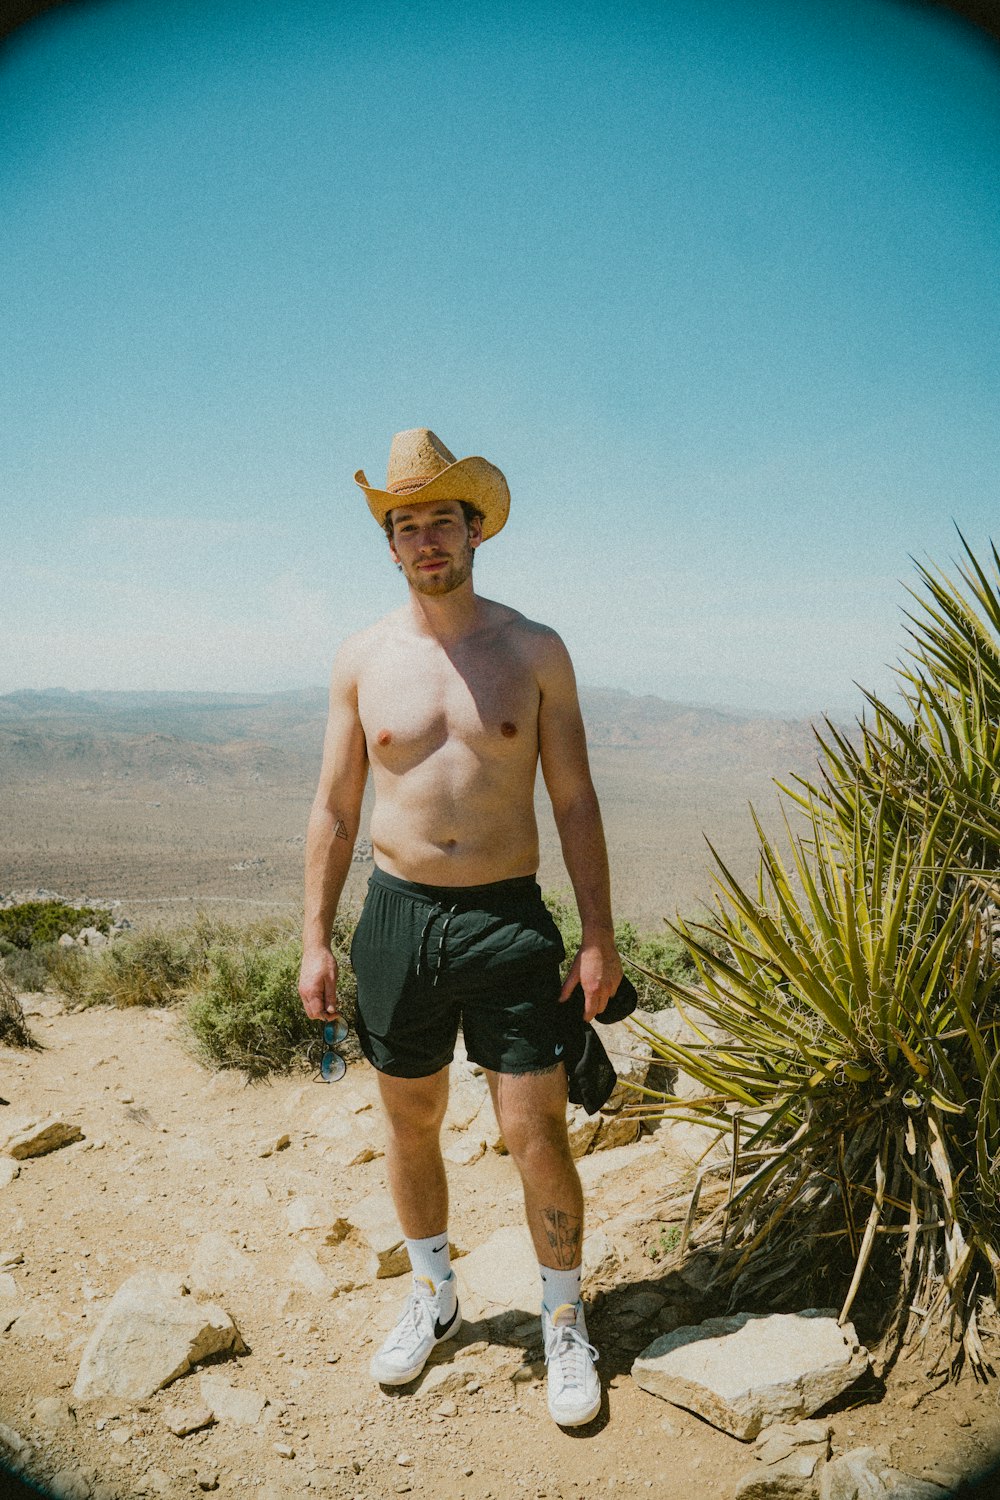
{"type": "Point", "coordinates": [181, 736]}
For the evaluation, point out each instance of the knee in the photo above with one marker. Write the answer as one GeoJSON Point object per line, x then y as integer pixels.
{"type": "Point", "coordinates": [417, 1123]}
{"type": "Point", "coordinates": [533, 1140]}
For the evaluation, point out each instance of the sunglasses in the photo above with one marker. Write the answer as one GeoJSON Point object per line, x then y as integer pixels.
{"type": "Point", "coordinates": [332, 1066]}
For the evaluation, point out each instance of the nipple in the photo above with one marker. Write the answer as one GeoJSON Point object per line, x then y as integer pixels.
{"type": "Point", "coordinates": [508, 730]}
{"type": "Point", "coordinates": [384, 737]}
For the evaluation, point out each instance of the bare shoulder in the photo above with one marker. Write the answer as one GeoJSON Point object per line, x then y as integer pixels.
{"type": "Point", "coordinates": [539, 643]}
{"type": "Point", "coordinates": [356, 650]}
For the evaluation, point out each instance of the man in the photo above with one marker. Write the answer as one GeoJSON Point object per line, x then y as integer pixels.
{"type": "Point", "coordinates": [452, 701]}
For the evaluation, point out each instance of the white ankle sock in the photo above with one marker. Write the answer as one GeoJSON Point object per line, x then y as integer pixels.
{"type": "Point", "coordinates": [430, 1257]}
{"type": "Point", "coordinates": [559, 1287]}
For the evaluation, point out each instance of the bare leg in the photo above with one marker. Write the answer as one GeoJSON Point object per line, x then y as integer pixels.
{"type": "Point", "coordinates": [414, 1109]}
{"type": "Point", "coordinates": [531, 1112]}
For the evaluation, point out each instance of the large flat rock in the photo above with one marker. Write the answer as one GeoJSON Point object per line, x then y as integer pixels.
{"type": "Point", "coordinates": [38, 1137]}
{"type": "Point", "coordinates": [151, 1332]}
{"type": "Point", "coordinates": [744, 1372]}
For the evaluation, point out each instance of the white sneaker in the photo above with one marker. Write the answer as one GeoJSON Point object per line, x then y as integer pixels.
{"type": "Point", "coordinates": [573, 1387]}
{"type": "Point", "coordinates": [428, 1318]}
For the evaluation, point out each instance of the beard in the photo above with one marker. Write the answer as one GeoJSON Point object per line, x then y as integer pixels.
{"type": "Point", "coordinates": [447, 580]}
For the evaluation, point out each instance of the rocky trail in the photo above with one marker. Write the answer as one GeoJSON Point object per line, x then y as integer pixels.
{"type": "Point", "coordinates": [194, 1274]}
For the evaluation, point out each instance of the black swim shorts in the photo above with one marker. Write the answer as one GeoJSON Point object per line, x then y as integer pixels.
{"type": "Point", "coordinates": [429, 958]}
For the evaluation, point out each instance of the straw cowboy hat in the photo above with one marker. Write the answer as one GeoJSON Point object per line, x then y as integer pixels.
{"type": "Point", "coordinates": [422, 469]}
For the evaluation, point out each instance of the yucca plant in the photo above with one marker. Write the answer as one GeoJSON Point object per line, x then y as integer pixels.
{"type": "Point", "coordinates": [859, 1079]}
{"type": "Point", "coordinates": [940, 751]}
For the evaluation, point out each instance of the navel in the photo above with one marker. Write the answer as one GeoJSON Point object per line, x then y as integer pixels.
{"type": "Point", "coordinates": [384, 737]}
{"type": "Point", "coordinates": [508, 730]}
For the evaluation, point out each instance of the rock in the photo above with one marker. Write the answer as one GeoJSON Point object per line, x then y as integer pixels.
{"type": "Point", "coordinates": [465, 1100]}
{"type": "Point", "coordinates": [150, 1333]}
{"type": "Point", "coordinates": [217, 1265]}
{"type": "Point", "coordinates": [65, 940]}
{"type": "Point", "coordinates": [307, 1213]}
{"type": "Point", "coordinates": [581, 1129]}
{"type": "Point", "coordinates": [744, 1372]}
{"type": "Point", "coordinates": [39, 1137]}
{"type": "Point", "coordinates": [631, 1054]}
{"type": "Point", "coordinates": [183, 1420]}
{"type": "Point", "coordinates": [38, 1320]}
{"type": "Point", "coordinates": [11, 1302]}
{"type": "Point", "coordinates": [70, 1484]}
{"type": "Point", "coordinates": [863, 1474]}
{"type": "Point", "coordinates": [791, 1456]}
{"type": "Point", "coordinates": [465, 1151]}
{"type": "Point", "coordinates": [376, 1222]}
{"type": "Point", "coordinates": [616, 1130]}
{"type": "Point", "coordinates": [207, 1479]}
{"type": "Point", "coordinates": [790, 1479]}
{"type": "Point", "coordinates": [13, 1442]}
{"type": "Point", "coordinates": [349, 1138]}
{"type": "Point", "coordinates": [594, 1169]}
{"type": "Point", "coordinates": [9, 1169]}
{"type": "Point", "coordinates": [446, 1379]}
{"type": "Point", "coordinates": [306, 1271]}
{"type": "Point", "coordinates": [600, 1258]}
{"type": "Point", "coordinates": [245, 1407]}
{"type": "Point", "coordinates": [274, 1144]}
{"type": "Point", "coordinates": [500, 1274]}
{"type": "Point", "coordinates": [91, 937]}
{"type": "Point", "coordinates": [53, 1414]}
{"type": "Point", "coordinates": [783, 1438]}
{"type": "Point", "coordinates": [641, 1303]}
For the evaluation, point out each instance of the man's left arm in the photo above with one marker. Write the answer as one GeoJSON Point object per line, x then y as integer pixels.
{"type": "Point", "coordinates": [562, 745]}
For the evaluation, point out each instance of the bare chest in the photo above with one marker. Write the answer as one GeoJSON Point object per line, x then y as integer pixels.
{"type": "Point", "coordinates": [421, 699]}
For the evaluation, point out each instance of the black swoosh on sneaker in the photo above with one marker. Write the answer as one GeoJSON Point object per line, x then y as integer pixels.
{"type": "Point", "coordinates": [441, 1329]}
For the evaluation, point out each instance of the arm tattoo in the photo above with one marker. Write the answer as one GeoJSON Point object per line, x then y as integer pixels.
{"type": "Point", "coordinates": [564, 1233]}
{"type": "Point", "coordinates": [340, 830]}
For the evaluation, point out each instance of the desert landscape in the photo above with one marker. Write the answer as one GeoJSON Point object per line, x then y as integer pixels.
{"type": "Point", "coordinates": [251, 1221]}
{"type": "Point", "coordinates": [166, 800]}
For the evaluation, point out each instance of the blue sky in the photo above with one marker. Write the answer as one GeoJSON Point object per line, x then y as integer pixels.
{"type": "Point", "coordinates": [714, 283]}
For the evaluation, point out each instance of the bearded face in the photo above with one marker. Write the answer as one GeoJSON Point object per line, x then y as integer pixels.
{"type": "Point", "coordinates": [434, 546]}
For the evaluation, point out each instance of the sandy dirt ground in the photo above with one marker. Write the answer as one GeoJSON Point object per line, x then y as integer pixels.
{"type": "Point", "coordinates": [177, 1171]}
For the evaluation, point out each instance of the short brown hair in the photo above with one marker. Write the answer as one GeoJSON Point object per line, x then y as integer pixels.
{"type": "Point", "coordinates": [469, 511]}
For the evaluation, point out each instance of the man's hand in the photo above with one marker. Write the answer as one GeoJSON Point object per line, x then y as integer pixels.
{"type": "Point", "coordinates": [318, 984]}
{"type": "Point", "coordinates": [599, 969]}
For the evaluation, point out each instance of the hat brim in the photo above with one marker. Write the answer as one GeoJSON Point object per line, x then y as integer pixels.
{"type": "Point", "coordinates": [472, 479]}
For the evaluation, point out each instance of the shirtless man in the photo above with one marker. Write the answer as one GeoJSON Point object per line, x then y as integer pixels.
{"type": "Point", "coordinates": [452, 701]}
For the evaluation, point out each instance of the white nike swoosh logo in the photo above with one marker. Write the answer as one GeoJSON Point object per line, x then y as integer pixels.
{"type": "Point", "coordinates": [559, 1050]}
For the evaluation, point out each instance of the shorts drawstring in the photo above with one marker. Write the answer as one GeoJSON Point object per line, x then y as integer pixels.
{"type": "Point", "coordinates": [438, 911]}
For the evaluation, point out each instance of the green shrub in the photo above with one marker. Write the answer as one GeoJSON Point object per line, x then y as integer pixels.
{"type": "Point", "coordinates": [70, 970]}
{"type": "Point", "coordinates": [34, 922]}
{"type": "Point", "coordinates": [13, 1027]}
{"type": "Point", "coordinates": [247, 1012]}
{"type": "Point", "coordinates": [150, 968]}
{"type": "Point", "coordinates": [29, 968]}
{"type": "Point", "coordinates": [210, 932]}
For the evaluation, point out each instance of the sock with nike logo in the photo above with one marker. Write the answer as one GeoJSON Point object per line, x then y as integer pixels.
{"type": "Point", "coordinates": [430, 1257]}
{"type": "Point", "coordinates": [559, 1287]}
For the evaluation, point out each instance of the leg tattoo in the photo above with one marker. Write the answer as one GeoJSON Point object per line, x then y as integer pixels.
{"type": "Point", "coordinates": [564, 1233]}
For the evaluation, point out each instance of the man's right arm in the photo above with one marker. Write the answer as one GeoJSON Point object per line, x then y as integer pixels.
{"type": "Point", "coordinates": [332, 830]}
